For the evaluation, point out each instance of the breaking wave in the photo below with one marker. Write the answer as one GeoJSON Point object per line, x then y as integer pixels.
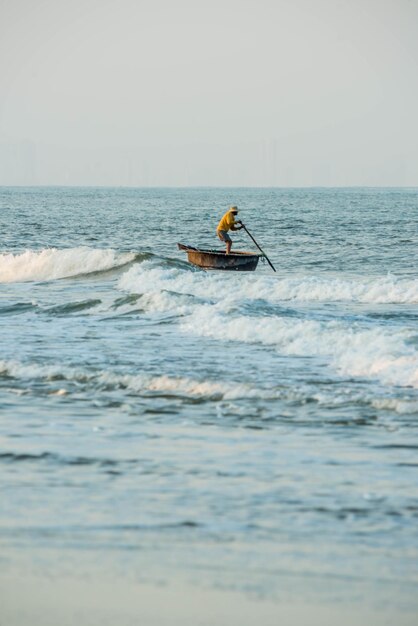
{"type": "Point", "coordinates": [60, 380]}
{"type": "Point", "coordinates": [149, 277]}
{"type": "Point", "coordinates": [139, 383]}
{"type": "Point", "coordinates": [246, 309]}
{"type": "Point", "coordinates": [351, 350]}
{"type": "Point", "coordinates": [51, 263]}
{"type": "Point", "coordinates": [212, 306]}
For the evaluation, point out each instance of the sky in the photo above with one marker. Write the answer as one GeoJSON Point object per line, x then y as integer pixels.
{"type": "Point", "coordinates": [209, 93]}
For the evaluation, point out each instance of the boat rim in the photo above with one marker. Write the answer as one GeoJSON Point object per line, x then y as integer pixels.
{"type": "Point", "coordinates": [219, 252]}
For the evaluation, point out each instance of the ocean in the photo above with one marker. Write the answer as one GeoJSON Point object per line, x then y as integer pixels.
{"type": "Point", "coordinates": [246, 432]}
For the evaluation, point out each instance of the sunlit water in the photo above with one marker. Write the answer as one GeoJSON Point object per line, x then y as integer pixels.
{"type": "Point", "coordinates": [254, 431]}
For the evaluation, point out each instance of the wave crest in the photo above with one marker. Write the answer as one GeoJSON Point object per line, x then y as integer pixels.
{"type": "Point", "coordinates": [150, 277]}
{"type": "Point", "coordinates": [351, 350]}
{"type": "Point", "coordinates": [51, 263]}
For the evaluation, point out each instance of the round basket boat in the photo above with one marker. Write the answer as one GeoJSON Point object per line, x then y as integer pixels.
{"type": "Point", "coordinates": [218, 260]}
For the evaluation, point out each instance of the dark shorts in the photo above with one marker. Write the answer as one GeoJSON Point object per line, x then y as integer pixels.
{"type": "Point", "coordinates": [223, 235]}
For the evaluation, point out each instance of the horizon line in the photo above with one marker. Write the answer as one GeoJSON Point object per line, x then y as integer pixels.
{"type": "Point", "coordinates": [92, 186]}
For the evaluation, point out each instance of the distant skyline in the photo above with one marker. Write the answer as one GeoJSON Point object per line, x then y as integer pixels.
{"type": "Point", "coordinates": [198, 93]}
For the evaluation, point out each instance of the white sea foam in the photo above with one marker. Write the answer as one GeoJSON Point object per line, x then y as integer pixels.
{"type": "Point", "coordinates": [368, 290]}
{"type": "Point", "coordinates": [184, 386]}
{"type": "Point", "coordinates": [350, 350]}
{"type": "Point", "coordinates": [162, 302]}
{"type": "Point", "coordinates": [139, 383]}
{"type": "Point", "coordinates": [147, 277]}
{"type": "Point", "coordinates": [50, 263]}
{"type": "Point", "coordinates": [403, 407]}
{"type": "Point", "coordinates": [29, 370]}
{"type": "Point", "coordinates": [179, 385]}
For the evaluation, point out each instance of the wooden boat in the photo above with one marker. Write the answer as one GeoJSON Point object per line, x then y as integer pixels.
{"type": "Point", "coordinates": [218, 260]}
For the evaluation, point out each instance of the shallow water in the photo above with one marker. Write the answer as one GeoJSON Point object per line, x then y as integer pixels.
{"type": "Point", "coordinates": [247, 431]}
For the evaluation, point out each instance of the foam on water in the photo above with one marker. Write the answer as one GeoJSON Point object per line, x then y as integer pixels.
{"type": "Point", "coordinates": [403, 407]}
{"type": "Point", "coordinates": [58, 379]}
{"type": "Point", "coordinates": [149, 277]}
{"type": "Point", "coordinates": [351, 349]}
{"type": "Point", "coordinates": [179, 385]}
{"type": "Point", "coordinates": [139, 383]}
{"type": "Point", "coordinates": [51, 263]}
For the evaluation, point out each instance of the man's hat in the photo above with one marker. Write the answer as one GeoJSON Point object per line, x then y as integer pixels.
{"type": "Point", "coordinates": [233, 208]}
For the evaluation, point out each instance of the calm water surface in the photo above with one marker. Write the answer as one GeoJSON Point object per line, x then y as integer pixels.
{"type": "Point", "coordinates": [243, 431]}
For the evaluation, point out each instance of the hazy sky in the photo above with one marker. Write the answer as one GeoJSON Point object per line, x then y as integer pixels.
{"type": "Point", "coordinates": [190, 92]}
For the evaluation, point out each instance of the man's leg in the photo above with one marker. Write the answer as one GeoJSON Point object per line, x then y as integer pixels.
{"type": "Point", "coordinates": [228, 246]}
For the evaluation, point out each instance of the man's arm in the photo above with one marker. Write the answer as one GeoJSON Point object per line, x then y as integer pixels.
{"type": "Point", "coordinates": [233, 226]}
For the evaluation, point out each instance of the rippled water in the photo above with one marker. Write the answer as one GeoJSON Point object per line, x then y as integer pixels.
{"type": "Point", "coordinates": [255, 431]}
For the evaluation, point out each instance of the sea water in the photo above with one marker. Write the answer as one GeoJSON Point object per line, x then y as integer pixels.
{"type": "Point", "coordinates": [248, 431]}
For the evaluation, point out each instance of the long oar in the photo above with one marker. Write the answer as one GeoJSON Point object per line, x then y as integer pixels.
{"type": "Point", "coordinates": [262, 251]}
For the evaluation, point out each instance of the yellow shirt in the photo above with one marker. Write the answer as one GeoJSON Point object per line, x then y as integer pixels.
{"type": "Point", "coordinates": [227, 221]}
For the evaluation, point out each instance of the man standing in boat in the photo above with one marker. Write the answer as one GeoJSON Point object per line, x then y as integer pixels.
{"type": "Point", "coordinates": [228, 222]}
